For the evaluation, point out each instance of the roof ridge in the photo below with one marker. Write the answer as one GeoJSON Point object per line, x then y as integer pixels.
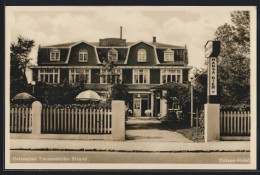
{"type": "Point", "coordinates": [156, 44]}
{"type": "Point", "coordinates": [55, 45]}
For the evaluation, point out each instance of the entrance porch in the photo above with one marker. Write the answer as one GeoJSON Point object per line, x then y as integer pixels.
{"type": "Point", "coordinates": [148, 104]}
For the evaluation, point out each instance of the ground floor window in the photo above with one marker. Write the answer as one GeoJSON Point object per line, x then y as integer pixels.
{"type": "Point", "coordinates": [76, 75]}
{"type": "Point", "coordinates": [115, 76]}
{"type": "Point", "coordinates": [49, 75]}
{"type": "Point", "coordinates": [171, 75]}
{"type": "Point", "coordinates": [141, 76]}
{"type": "Point", "coordinates": [174, 104]}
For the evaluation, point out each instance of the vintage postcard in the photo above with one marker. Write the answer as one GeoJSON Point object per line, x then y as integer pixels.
{"type": "Point", "coordinates": [130, 87]}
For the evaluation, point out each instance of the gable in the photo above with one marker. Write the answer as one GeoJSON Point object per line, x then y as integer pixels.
{"type": "Point", "coordinates": [151, 58]}
{"type": "Point", "coordinates": [74, 55]}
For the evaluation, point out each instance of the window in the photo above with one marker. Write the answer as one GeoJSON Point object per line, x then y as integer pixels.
{"type": "Point", "coordinates": [141, 76]}
{"type": "Point", "coordinates": [141, 55]}
{"type": "Point", "coordinates": [170, 75]}
{"type": "Point", "coordinates": [49, 75]}
{"type": "Point", "coordinates": [176, 106]}
{"type": "Point", "coordinates": [168, 55]}
{"type": "Point", "coordinates": [76, 75]}
{"type": "Point", "coordinates": [110, 77]}
{"type": "Point", "coordinates": [83, 55]}
{"type": "Point", "coordinates": [180, 53]}
{"type": "Point", "coordinates": [55, 55]}
{"type": "Point", "coordinates": [137, 103]}
{"type": "Point", "coordinates": [174, 103]}
{"type": "Point", "coordinates": [113, 55]}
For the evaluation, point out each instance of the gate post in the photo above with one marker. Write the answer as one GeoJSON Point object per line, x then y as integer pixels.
{"type": "Point", "coordinates": [212, 108]}
{"type": "Point", "coordinates": [212, 122]}
{"type": "Point", "coordinates": [36, 118]}
{"type": "Point", "coordinates": [118, 120]}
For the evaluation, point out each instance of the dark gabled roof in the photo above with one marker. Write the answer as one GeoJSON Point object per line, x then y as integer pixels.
{"type": "Point", "coordinates": [44, 56]}
{"type": "Point", "coordinates": [158, 45]}
{"type": "Point", "coordinates": [165, 86]}
{"type": "Point", "coordinates": [122, 51]}
{"type": "Point", "coordinates": [62, 45]}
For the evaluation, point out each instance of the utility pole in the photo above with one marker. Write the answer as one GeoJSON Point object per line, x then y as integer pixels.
{"type": "Point", "coordinates": [191, 103]}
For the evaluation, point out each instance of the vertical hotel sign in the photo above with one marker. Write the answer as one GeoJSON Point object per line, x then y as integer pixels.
{"type": "Point", "coordinates": [212, 50]}
{"type": "Point", "coordinates": [213, 76]}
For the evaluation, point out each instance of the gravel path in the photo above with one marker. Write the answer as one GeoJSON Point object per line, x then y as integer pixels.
{"type": "Point", "coordinates": [151, 130]}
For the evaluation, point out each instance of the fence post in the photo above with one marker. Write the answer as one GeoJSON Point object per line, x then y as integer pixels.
{"type": "Point", "coordinates": [36, 118]}
{"type": "Point", "coordinates": [118, 120]}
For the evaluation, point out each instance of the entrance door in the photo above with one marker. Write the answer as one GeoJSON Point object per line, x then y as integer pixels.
{"type": "Point", "coordinates": [144, 106]}
{"type": "Point", "coordinates": [137, 107]}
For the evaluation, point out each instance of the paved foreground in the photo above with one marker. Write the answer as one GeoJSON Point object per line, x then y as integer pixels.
{"type": "Point", "coordinates": [18, 156]}
{"type": "Point", "coordinates": [128, 146]}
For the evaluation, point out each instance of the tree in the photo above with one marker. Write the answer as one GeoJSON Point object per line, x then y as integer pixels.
{"type": "Point", "coordinates": [234, 60]}
{"type": "Point", "coordinates": [178, 91]}
{"type": "Point", "coordinates": [119, 92]}
{"type": "Point", "coordinates": [19, 61]}
{"type": "Point", "coordinates": [20, 52]}
{"type": "Point", "coordinates": [180, 94]}
{"type": "Point", "coordinates": [108, 70]}
{"type": "Point", "coordinates": [200, 87]}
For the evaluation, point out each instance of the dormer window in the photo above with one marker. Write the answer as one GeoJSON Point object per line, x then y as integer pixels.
{"type": "Point", "coordinates": [168, 55]}
{"type": "Point", "coordinates": [112, 55]}
{"type": "Point", "coordinates": [141, 55]}
{"type": "Point", "coordinates": [83, 55]}
{"type": "Point", "coordinates": [55, 55]}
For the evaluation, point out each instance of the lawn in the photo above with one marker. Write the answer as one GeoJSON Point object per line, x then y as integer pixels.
{"type": "Point", "coordinates": [194, 134]}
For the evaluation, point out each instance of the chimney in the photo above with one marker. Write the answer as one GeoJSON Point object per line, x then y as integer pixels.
{"type": "Point", "coordinates": [154, 39]}
{"type": "Point", "coordinates": [120, 32]}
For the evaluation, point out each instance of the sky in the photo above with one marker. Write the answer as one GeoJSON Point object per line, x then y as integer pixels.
{"type": "Point", "coordinates": [190, 26]}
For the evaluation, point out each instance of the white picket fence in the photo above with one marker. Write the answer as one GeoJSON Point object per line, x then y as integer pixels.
{"type": "Point", "coordinates": [20, 120]}
{"type": "Point", "coordinates": [76, 121]}
{"type": "Point", "coordinates": [235, 123]}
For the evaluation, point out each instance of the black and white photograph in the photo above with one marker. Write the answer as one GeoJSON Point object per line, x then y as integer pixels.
{"type": "Point", "coordinates": [130, 87]}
